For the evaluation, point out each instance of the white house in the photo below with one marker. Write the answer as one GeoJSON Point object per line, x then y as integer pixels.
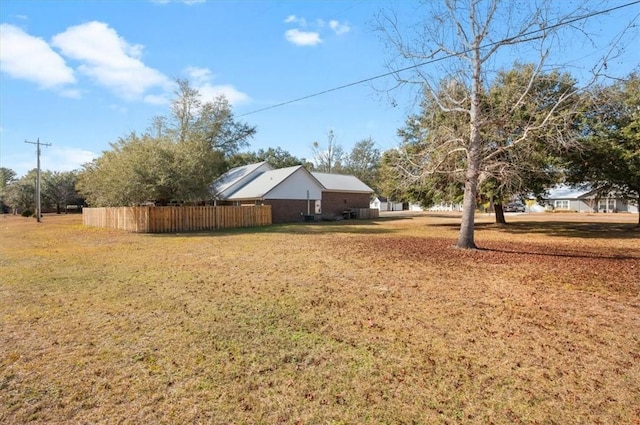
{"type": "Point", "coordinates": [383, 204]}
{"type": "Point", "coordinates": [586, 199]}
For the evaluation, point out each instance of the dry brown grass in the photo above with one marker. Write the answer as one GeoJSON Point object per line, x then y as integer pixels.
{"type": "Point", "coordinates": [362, 322]}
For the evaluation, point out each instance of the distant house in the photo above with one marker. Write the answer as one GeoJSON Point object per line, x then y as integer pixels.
{"type": "Point", "coordinates": [566, 198]}
{"type": "Point", "coordinates": [293, 192]}
{"type": "Point", "coordinates": [383, 204]}
{"type": "Point", "coordinates": [437, 207]}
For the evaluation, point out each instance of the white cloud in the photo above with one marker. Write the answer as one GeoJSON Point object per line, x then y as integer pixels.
{"type": "Point", "coordinates": [339, 28]}
{"type": "Point", "coordinates": [302, 38]}
{"type": "Point", "coordinates": [202, 81]}
{"type": "Point", "coordinates": [157, 99]}
{"type": "Point", "coordinates": [233, 95]}
{"type": "Point", "coordinates": [199, 75]}
{"type": "Point", "coordinates": [64, 158]}
{"type": "Point", "coordinates": [30, 58]}
{"type": "Point", "coordinates": [71, 93]}
{"type": "Point", "coordinates": [110, 60]}
{"type": "Point", "coordinates": [293, 19]}
{"type": "Point", "coordinates": [53, 158]}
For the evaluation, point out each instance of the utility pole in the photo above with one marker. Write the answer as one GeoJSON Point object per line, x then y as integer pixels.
{"type": "Point", "coordinates": [38, 205]}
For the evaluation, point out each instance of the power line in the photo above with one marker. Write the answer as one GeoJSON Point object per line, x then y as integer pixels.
{"type": "Point", "coordinates": [397, 71]}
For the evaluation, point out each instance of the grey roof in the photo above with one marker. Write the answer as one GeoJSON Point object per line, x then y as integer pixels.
{"type": "Point", "coordinates": [254, 181]}
{"type": "Point", "coordinates": [341, 183]}
{"type": "Point", "coordinates": [233, 179]}
{"type": "Point", "coordinates": [264, 183]}
{"type": "Point", "coordinates": [568, 192]}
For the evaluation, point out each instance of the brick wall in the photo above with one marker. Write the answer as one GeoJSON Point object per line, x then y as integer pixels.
{"type": "Point", "coordinates": [333, 203]}
{"type": "Point", "coordinates": [288, 210]}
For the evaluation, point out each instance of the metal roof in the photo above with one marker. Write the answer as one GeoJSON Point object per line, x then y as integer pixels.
{"type": "Point", "coordinates": [568, 192]}
{"type": "Point", "coordinates": [264, 183]}
{"type": "Point", "coordinates": [254, 181]}
{"type": "Point", "coordinates": [341, 182]}
{"type": "Point", "coordinates": [233, 179]}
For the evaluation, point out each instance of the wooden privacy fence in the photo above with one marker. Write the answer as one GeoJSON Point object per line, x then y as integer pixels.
{"type": "Point", "coordinates": [367, 213]}
{"type": "Point", "coordinates": [176, 219]}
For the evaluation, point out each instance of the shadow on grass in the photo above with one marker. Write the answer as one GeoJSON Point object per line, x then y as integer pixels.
{"type": "Point", "coordinates": [561, 254]}
{"type": "Point", "coordinates": [563, 229]}
{"type": "Point", "coordinates": [575, 230]}
{"type": "Point", "coordinates": [321, 227]}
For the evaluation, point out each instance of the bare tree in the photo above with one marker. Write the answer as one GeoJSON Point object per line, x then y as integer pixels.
{"type": "Point", "coordinates": [329, 158]}
{"type": "Point", "coordinates": [466, 38]}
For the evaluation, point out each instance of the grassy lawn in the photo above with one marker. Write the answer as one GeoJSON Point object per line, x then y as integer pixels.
{"type": "Point", "coordinates": [333, 323]}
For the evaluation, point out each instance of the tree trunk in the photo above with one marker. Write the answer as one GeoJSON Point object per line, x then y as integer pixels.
{"type": "Point", "coordinates": [499, 214]}
{"type": "Point", "coordinates": [467, 226]}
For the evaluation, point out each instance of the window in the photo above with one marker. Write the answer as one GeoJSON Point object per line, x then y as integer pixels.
{"type": "Point", "coordinates": [561, 205]}
{"type": "Point", "coordinates": [607, 205]}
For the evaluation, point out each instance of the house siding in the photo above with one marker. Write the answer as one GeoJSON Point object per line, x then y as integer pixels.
{"type": "Point", "coordinates": [333, 203]}
{"type": "Point", "coordinates": [580, 206]}
{"type": "Point", "coordinates": [296, 187]}
{"type": "Point", "coordinates": [289, 210]}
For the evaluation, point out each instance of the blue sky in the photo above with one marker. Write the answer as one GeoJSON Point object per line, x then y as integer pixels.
{"type": "Point", "coordinates": [80, 74]}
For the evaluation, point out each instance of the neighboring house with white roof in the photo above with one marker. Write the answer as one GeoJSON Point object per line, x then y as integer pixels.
{"type": "Point", "coordinates": [586, 199]}
{"type": "Point", "coordinates": [384, 204]}
{"type": "Point", "coordinates": [293, 192]}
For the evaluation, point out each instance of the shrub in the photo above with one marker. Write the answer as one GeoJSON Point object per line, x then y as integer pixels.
{"type": "Point", "coordinates": [27, 213]}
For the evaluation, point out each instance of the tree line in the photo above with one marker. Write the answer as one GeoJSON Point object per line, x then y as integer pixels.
{"type": "Point", "coordinates": [481, 134]}
{"type": "Point", "coordinates": [531, 142]}
{"type": "Point", "coordinates": [176, 159]}
{"type": "Point", "coordinates": [592, 139]}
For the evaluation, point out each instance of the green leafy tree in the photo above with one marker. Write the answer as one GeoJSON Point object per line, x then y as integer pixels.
{"type": "Point", "coordinates": [137, 169]}
{"type": "Point", "coordinates": [525, 129]}
{"type": "Point", "coordinates": [431, 158]}
{"type": "Point", "coordinates": [470, 36]}
{"type": "Point", "coordinates": [59, 188]}
{"type": "Point", "coordinates": [20, 194]}
{"type": "Point", "coordinates": [610, 128]}
{"type": "Point", "coordinates": [178, 158]}
{"type": "Point", "coordinates": [7, 176]}
{"type": "Point", "coordinates": [364, 162]}
{"type": "Point", "coordinates": [528, 128]}
{"type": "Point", "coordinates": [277, 157]}
{"type": "Point", "coordinates": [391, 183]}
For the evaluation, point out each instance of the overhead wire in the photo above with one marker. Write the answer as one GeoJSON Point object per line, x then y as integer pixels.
{"type": "Point", "coordinates": [449, 56]}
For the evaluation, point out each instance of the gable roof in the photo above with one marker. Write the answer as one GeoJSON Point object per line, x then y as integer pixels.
{"type": "Point", "coordinates": [255, 181]}
{"type": "Point", "coordinates": [237, 177]}
{"type": "Point", "coordinates": [341, 183]}
{"type": "Point", "coordinates": [563, 191]}
{"type": "Point", "coordinates": [264, 183]}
